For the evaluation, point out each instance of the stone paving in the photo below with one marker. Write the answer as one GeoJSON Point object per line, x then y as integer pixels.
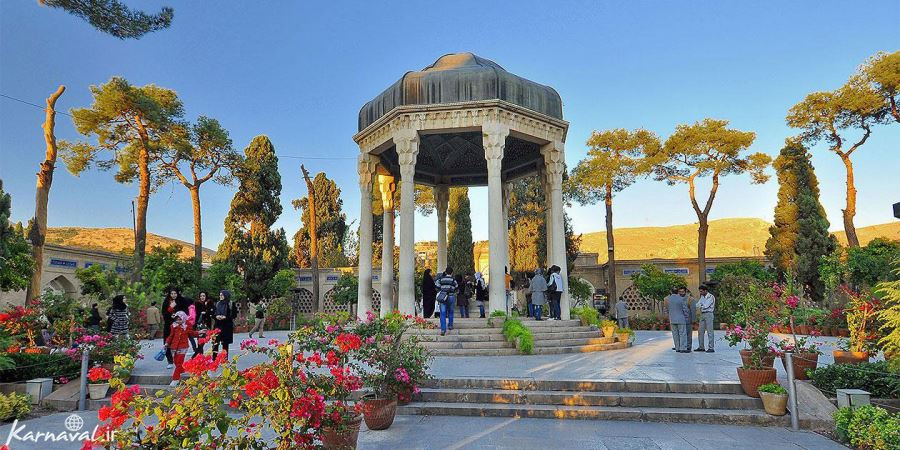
{"type": "Point", "coordinates": [434, 432]}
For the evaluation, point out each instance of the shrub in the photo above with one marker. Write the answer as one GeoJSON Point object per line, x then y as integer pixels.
{"type": "Point", "coordinates": [744, 267]}
{"type": "Point", "coordinates": [607, 323]}
{"type": "Point", "coordinates": [729, 293]}
{"type": "Point", "coordinates": [513, 328]}
{"type": "Point", "coordinates": [39, 365]}
{"type": "Point", "coordinates": [773, 388]}
{"type": "Point", "coordinates": [872, 377]}
{"type": "Point", "coordinates": [14, 406]}
{"type": "Point", "coordinates": [867, 427]}
{"type": "Point", "coordinates": [587, 315]}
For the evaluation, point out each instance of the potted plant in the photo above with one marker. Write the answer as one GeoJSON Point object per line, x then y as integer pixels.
{"type": "Point", "coordinates": [737, 334]}
{"type": "Point", "coordinates": [98, 385]}
{"type": "Point", "coordinates": [124, 365]}
{"type": "Point", "coordinates": [340, 425]}
{"type": "Point", "coordinates": [806, 355]}
{"type": "Point", "coordinates": [587, 315]}
{"type": "Point", "coordinates": [758, 306]}
{"type": "Point", "coordinates": [608, 327]}
{"type": "Point", "coordinates": [861, 311]}
{"type": "Point", "coordinates": [774, 398]}
{"type": "Point", "coordinates": [624, 334]}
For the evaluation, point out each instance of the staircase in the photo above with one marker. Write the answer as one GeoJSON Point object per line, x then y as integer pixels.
{"type": "Point", "coordinates": [655, 401]}
{"type": "Point", "coordinates": [478, 337]}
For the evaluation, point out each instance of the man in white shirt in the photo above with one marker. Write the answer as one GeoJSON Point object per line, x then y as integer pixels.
{"type": "Point", "coordinates": [707, 306]}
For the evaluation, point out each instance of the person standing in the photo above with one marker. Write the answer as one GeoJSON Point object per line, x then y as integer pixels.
{"type": "Point", "coordinates": [529, 308]}
{"type": "Point", "coordinates": [226, 312]}
{"type": "Point", "coordinates": [464, 292]}
{"type": "Point", "coordinates": [95, 319]}
{"type": "Point", "coordinates": [510, 295]}
{"type": "Point", "coordinates": [481, 293]}
{"type": "Point", "coordinates": [538, 288]}
{"type": "Point", "coordinates": [707, 306]}
{"type": "Point", "coordinates": [153, 320]}
{"type": "Point", "coordinates": [622, 313]}
{"type": "Point", "coordinates": [260, 316]}
{"type": "Point", "coordinates": [205, 309]}
{"type": "Point", "coordinates": [178, 344]}
{"type": "Point", "coordinates": [446, 298]}
{"type": "Point", "coordinates": [692, 317]}
{"type": "Point", "coordinates": [678, 319]}
{"type": "Point", "coordinates": [429, 292]}
{"type": "Point", "coordinates": [118, 317]}
{"type": "Point", "coordinates": [554, 292]}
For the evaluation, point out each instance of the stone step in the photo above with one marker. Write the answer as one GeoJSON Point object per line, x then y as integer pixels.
{"type": "Point", "coordinates": [496, 337]}
{"type": "Point", "coordinates": [572, 398]}
{"type": "Point", "coordinates": [641, 386]}
{"type": "Point", "coordinates": [573, 329]}
{"type": "Point", "coordinates": [540, 336]}
{"type": "Point", "coordinates": [573, 342]}
{"type": "Point", "coordinates": [474, 352]}
{"type": "Point", "coordinates": [455, 331]}
{"type": "Point", "coordinates": [467, 345]}
{"type": "Point", "coordinates": [531, 323]}
{"type": "Point", "coordinates": [652, 414]}
{"type": "Point", "coordinates": [579, 349]}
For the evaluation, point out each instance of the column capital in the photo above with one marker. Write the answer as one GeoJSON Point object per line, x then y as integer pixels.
{"type": "Point", "coordinates": [365, 167]}
{"type": "Point", "coordinates": [387, 186]}
{"type": "Point", "coordinates": [493, 136]}
{"type": "Point", "coordinates": [554, 162]}
{"type": "Point", "coordinates": [441, 198]}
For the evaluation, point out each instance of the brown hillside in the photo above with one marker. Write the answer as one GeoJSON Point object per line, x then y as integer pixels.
{"type": "Point", "coordinates": [115, 240]}
{"type": "Point", "coordinates": [727, 237]}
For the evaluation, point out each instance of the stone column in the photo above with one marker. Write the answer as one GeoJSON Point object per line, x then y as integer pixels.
{"type": "Point", "coordinates": [507, 192]}
{"type": "Point", "coordinates": [441, 200]}
{"type": "Point", "coordinates": [407, 142]}
{"type": "Point", "coordinates": [554, 160]}
{"type": "Point", "coordinates": [365, 168]}
{"type": "Point", "coordinates": [548, 208]}
{"type": "Point", "coordinates": [387, 187]}
{"type": "Point", "coordinates": [494, 140]}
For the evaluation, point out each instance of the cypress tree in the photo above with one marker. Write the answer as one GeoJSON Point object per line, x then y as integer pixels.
{"type": "Point", "coordinates": [257, 251]}
{"type": "Point", "coordinates": [459, 232]}
{"type": "Point", "coordinates": [799, 238]}
{"type": "Point", "coordinates": [16, 264]}
{"type": "Point", "coordinates": [330, 221]}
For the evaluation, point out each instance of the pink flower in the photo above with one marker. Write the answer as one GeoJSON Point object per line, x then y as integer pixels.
{"type": "Point", "coordinates": [249, 343]}
{"type": "Point", "coordinates": [273, 342]}
{"type": "Point", "coordinates": [792, 301]}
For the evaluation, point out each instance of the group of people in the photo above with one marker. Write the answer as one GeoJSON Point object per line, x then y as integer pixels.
{"type": "Point", "coordinates": [118, 319]}
{"type": "Point", "coordinates": [540, 291]}
{"type": "Point", "coordinates": [683, 312]}
{"type": "Point", "coordinates": [447, 291]}
{"type": "Point", "coordinates": [185, 321]}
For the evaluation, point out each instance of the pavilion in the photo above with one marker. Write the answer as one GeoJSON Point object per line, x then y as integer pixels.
{"type": "Point", "coordinates": [462, 121]}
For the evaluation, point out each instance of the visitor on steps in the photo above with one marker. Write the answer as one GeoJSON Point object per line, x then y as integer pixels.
{"type": "Point", "coordinates": [481, 293]}
{"type": "Point", "coordinates": [678, 319]}
{"type": "Point", "coordinates": [527, 291]}
{"type": "Point", "coordinates": [538, 287]}
{"type": "Point", "coordinates": [178, 344]}
{"type": "Point", "coordinates": [463, 294]}
{"type": "Point", "coordinates": [446, 298]}
{"type": "Point", "coordinates": [206, 310]}
{"type": "Point", "coordinates": [622, 313]}
{"type": "Point", "coordinates": [118, 317]}
{"type": "Point", "coordinates": [429, 291]}
{"type": "Point", "coordinates": [707, 306]}
{"type": "Point", "coordinates": [554, 292]}
{"type": "Point", "coordinates": [226, 312]}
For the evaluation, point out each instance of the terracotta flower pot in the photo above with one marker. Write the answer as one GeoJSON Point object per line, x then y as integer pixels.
{"type": "Point", "coordinates": [841, 357]}
{"type": "Point", "coordinates": [379, 412]}
{"type": "Point", "coordinates": [802, 363]}
{"type": "Point", "coordinates": [98, 391]}
{"type": "Point", "coordinates": [752, 379]}
{"type": "Point", "coordinates": [774, 404]}
{"type": "Point", "coordinates": [405, 396]}
{"type": "Point", "coordinates": [622, 337]}
{"type": "Point", "coordinates": [344, 437]}
{"type": "Point", "coordinates": [803, 329]}
{"type": "Point", "coordinates": [768, 361]}
{"type": "Point", "coordinates": [609, 331]}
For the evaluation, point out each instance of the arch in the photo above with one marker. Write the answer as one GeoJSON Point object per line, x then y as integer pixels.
{"type": "Point", "coordinates": [62, 284]}
{"type": "Point", "coordinates": [636, 301]}
{"type": "Point", "coordinates": [303, 301]}
{"type": "Point", "coordinates": [593, 289]}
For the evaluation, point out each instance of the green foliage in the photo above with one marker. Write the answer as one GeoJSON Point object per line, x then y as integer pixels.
{"type": "Point", "coordinates": [873, 377]}
{"type": "Point", "coordinates": [889, 317]}
{"type": "Point", "coordinates": [799, 238]}
{"type": "Point", "coordinates": [330, 221]}
{"type": "Point", "coordinates": [459, 232]}
{"type": "Point", "coordinates": [250, 245]}
{"type": "Point", "coordinates": [773, 388]}
{"type": "Point", "coordinates": [656, 284]}
{"type": "Point", "coordinates": [868, 427]}
{"type": "Point", "coordinates": [164, 268]}
{"type": "Point", "coordinates": [16, 263]}
{"type": "Point", "coordinates": [281, 283]}
{"type": "Point", "coordinates": [513, 328]}
{"type": "Point", "coordinates": [346, 289]}
{"type": "Point", "coordinates": [869, 265]}
{"type": "Point", "coordinates": [99, 283]}
{"type": "Point", "coordinates": [744, 267]}
{"type": "Point", "coordinates": [580, 291]}
{"type": "Point", "coordinates": [14, 406]}
{"type": "Point", "coordinates": [882, 72]}
{"type": "Point", "coordinates": [115, 18]}
{"type": "Point", "coordinates": [221, 275]}
{"type": "Point", "coordinates": [606, 323]}
{"type": "Point", "coordinates": [614, 160]}
{"type": "Point", "coordinates": [729, 292]}
{"type": "Point", "coordinates": [59, 306]}
{"type": "Point", "coordinates": [39, 365]}
{"type": "Point", "coordinates": [586, 314]}
{"type": "Point", "coordinates": [526, 222]}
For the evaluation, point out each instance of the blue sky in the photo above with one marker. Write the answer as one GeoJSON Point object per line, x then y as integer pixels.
{"type": "Point", "coordinates": [299, 71]}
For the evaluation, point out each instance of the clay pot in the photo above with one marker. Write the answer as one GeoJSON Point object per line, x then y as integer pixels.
{"type": "Point", "coordinates": [752, 379]}
{"type": "Point", "coordinates": [344, 437]}
{"type": "Point", "coordinates": [803, 329]}
{"type": "Point", "coordinates": [379, 412]}
{"type": "Point", "coordinates": [841, 357]}
{"type": "Point", "coordinates": [98, 391]}
{"type": "Point", "coordinates": [622, 337]}
{"type": "Point", "coordinates": [774, 404]}
{"type": "Point", "coordinates": [802, 363]}
{"type": "Point", "coordinates": [609, 331]}
{"type": "Point", "coordinates": [404, 397]}
{"type": "Point", "coordinates": [768, 361]}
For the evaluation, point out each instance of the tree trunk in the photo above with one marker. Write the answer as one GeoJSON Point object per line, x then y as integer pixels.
{"type": "Point", "coordinates": [198, 230]}
{"type": "Point", "coordinates": [702, 231]}
{"type": "Point", "coordinates": [38, 233]}
{"type": "Point", "coordinates": [140, 233]}
{"type": "Point", "coordinates": [313, 237]}
{"type": "Point", "coordinates": [850, 211]}
{"type": "Point", "coordinates": [611, 248]}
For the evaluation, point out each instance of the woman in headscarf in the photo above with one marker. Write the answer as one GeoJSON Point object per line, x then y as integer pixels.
{"type": "Point", "coordinates": [429, 292]}
{"type": "Point", "coordinates": [538, 293]}
{"type": "Point", "coordinates": [481, 293]}
{"type": "Point", "coordinates": [118, 316]}
{"type": "Point", "coordinates": [226, 312]}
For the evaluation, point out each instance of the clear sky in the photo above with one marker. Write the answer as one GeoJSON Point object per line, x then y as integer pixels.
{"type": "Point", "coordinates": [299, 71]}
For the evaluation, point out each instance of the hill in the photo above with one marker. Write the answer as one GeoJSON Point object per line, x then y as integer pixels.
{"type": "Point", "coordinates": [116, 240]}
{"type": "Point", "coordinates": [727, 237]}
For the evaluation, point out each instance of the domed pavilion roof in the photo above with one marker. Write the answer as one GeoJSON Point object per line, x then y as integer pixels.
{"type": "Point", "coordinates": [462, 77]}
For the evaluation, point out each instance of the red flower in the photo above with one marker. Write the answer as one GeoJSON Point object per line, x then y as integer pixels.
{"type": "Point", "coordinates": [347, 342]}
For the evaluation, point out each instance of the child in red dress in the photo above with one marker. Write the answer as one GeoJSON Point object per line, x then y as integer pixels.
{"type": "Point", "coordinates": [178, 343]}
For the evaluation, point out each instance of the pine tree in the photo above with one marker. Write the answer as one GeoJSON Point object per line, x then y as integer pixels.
{"type": "Point", "coordinates": [16, 264]}
{"type": "Point", "coordinates": [114, 18]}
{"type": "Point", "coordinates": [799, 237]}
{"type": "Point", "coordinates": [331, 222]}
{"type": "Point", "coordinates": [255, 250]}
{"type": "Point", "coordinates": [459, 232]}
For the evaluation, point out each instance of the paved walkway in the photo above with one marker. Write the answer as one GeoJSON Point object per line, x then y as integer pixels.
{"type": "Point", "coordinates": [433, 432]}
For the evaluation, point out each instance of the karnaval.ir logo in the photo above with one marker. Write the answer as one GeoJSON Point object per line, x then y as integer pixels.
{"type": "Point", "coordinates": [71, 431]}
